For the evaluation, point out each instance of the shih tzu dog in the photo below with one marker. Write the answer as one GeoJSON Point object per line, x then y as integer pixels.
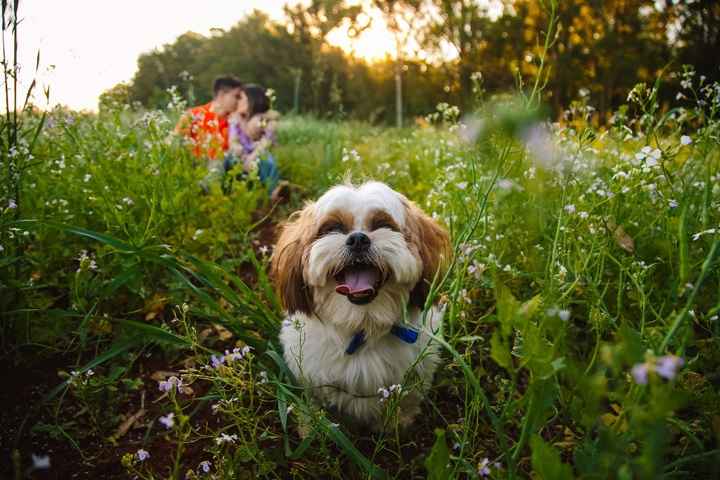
{"type": "Point", "coordinates": [353, 270]}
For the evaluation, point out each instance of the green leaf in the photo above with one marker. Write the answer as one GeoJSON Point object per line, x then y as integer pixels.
{"type": "Point", "coordinates": [151, 332]}
{"type": "Point", "coordinates": [683, 248]}
{"type": "Point", "coordinates": [126, 276]}
{"type": "Point", "coordinates": [106, 239]}
{"type": "Point", "coordinates": [542, 394]}
{"type": "Point", "coordinates": [531, 307]}
{"type": "Point", "coordinates": [114, 351]}
{"type": "Point", "coordinates": [438, 462]}
{"type": "Point", "coordinates": [546, 461]}
{"type": "Point", "coordinates": [344, 443]}
{"type": "Point", "coordinates": [499, 351]}
{"type": "Point", "coordinates": [507, 307]}
{"type": "Point", "coordinates": [303, 446]}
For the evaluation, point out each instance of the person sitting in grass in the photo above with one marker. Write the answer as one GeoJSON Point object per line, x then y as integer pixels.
{"type": "Point", "coordinates": [206, 126]}
{"type": "Point", "coordinates": [251, 135]}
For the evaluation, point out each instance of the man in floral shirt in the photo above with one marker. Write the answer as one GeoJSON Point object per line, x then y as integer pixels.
{"type": "Point", "coordinates": [206, 126]}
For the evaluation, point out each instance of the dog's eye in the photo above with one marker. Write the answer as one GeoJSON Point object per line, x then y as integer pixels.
{"type": "Point", "coordinates": [378, 224]}
{"type": "Point", "coordinates": [333, 227]}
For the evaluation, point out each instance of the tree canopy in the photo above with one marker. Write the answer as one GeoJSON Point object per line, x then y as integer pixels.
{"type": "Point", "coordinates": [600, 47]}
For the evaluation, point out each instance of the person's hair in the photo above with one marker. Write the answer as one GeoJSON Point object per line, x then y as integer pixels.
{"type": "Point", "coordinates": [258, 101]}
{"type": "Point", "coordinates": [226, 82]}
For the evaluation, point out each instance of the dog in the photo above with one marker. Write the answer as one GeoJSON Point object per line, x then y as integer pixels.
{"type": "Point", "coordinates": [353, 271]}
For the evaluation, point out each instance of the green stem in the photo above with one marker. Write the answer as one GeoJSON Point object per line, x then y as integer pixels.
{"type": "Point", "coordinates": [683, 314]}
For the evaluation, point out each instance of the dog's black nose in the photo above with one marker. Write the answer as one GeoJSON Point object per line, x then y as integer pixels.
{"type": "Point", "coordinates": [358, 242]}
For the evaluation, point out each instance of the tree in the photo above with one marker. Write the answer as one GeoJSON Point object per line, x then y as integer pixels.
{"type": "Point", "coordinates": [603, 48]}
{"type": "Point", "coordinates": [698, 36]}
{"type": "Point", "coordinates": [114, 97]}
{"type": "Point", "coordinates": [401, 18]}
{"type": "Point", "coordinates": [310, 25]}
{"type": "Point", "coordinates": [460, 24]}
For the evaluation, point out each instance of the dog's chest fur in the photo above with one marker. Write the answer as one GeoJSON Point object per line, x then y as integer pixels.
{"type": "Point", "coordinates": [316, 354]}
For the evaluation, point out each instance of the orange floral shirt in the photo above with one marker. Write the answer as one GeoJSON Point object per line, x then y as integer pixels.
{"type": "Point", "coordinates": [208, 132]}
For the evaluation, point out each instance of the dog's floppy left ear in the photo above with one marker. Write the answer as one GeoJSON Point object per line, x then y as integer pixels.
{"type": "Point", "coordinates": [431, 242]}
{"type": "Point", "coordinates": [288, 261]}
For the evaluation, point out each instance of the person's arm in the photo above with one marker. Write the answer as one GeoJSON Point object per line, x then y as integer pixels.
{"type": "Point", "coordinates": [236, 146]}
{"type": "Point", "coordinates": [271, 119]}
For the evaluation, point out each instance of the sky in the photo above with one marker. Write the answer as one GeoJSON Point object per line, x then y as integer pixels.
{"type": "Point", "coordinates": [87, 46]}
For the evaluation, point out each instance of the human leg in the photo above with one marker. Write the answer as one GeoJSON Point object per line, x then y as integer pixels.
{"type": "Point", "coordinates": [268, 172]}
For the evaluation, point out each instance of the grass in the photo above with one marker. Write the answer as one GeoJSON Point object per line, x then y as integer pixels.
{"type": "Point", "coordinates": [584, 256]}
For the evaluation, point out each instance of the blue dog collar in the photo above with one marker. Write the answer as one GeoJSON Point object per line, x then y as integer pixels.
{"type": "Point", "coordinates": [407, 335]}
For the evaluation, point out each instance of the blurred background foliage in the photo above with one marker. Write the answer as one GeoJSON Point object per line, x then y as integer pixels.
{"type": "Point", "coordinates": [600, 47]}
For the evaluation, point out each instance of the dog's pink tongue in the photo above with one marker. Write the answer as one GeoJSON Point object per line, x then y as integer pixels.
{"type": "Point", "coordinates": [358, 282]}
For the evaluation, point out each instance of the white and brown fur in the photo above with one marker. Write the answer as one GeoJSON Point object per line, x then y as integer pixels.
{"type": "Point", "coordinates": [409, 248]}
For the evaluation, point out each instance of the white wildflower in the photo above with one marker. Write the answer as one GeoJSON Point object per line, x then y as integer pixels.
{"type": "Point", "coordinates": [225, 438]}
{"type": "Point", "coordinates": [40, 462]}
{"type": "Point", "coordinates": [696, 236]}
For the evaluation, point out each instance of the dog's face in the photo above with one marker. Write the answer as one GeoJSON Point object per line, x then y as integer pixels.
{"type": "Point", "coordinates": [357, 256]}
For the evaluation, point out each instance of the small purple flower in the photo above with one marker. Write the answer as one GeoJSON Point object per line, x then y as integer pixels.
{"type": "Point", "coordinates": [237, 353]}
{"type": "Point", "coordinates": [170, 383]}
{"type": "Point", "coordinates": [205, 466]}
{"type": "Point", "coordinates": [168, 420]}
{"type": "Point", "coordinates": [640, 373]}
{"type": "Point", "coordinates": [142, 455]}
{"type": "Point", "coordinates": [483, 468]}
{"type": "Point", "coordinates": [384, 394]}
{"type": "Point", "coordinates": [668, 365]}
{"type": "Point", "coordinates": [12, 204]}
{"type": "Point", "coordinates": [217, 361]}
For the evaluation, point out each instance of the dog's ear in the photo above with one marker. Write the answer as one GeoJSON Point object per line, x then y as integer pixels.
{"type": "Point", "coordinates": [431, 242]}
{"type": "Point", "coordinates": [288, 261]}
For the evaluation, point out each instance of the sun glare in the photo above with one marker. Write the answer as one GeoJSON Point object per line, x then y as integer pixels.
{"type": "Point", "coordinates": [80, 63]}
{"type": "Point", "coordinates": [374, 43]}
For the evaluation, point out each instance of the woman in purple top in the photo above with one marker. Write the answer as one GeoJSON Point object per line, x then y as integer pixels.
{"type": "Point", "coordinates": [251, 134]}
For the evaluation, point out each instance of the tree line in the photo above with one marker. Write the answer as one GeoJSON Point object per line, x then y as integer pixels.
{"type": "Point", "coordinates": [599, 48]}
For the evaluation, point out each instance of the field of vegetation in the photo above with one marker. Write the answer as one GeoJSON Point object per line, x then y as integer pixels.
{"type": "Point", "coordinates": [581, 335]}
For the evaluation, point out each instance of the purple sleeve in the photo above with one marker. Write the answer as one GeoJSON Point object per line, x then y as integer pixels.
{"type": "Point", "coordinates": [242, 138]}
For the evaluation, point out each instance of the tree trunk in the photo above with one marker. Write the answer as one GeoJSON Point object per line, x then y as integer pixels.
{"type": "Point", "coordinates": [398, 86]}
{"type": "Point", "coordinates": [398, 98]}
{"type": "Point", "coordinates": [296, 92]}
